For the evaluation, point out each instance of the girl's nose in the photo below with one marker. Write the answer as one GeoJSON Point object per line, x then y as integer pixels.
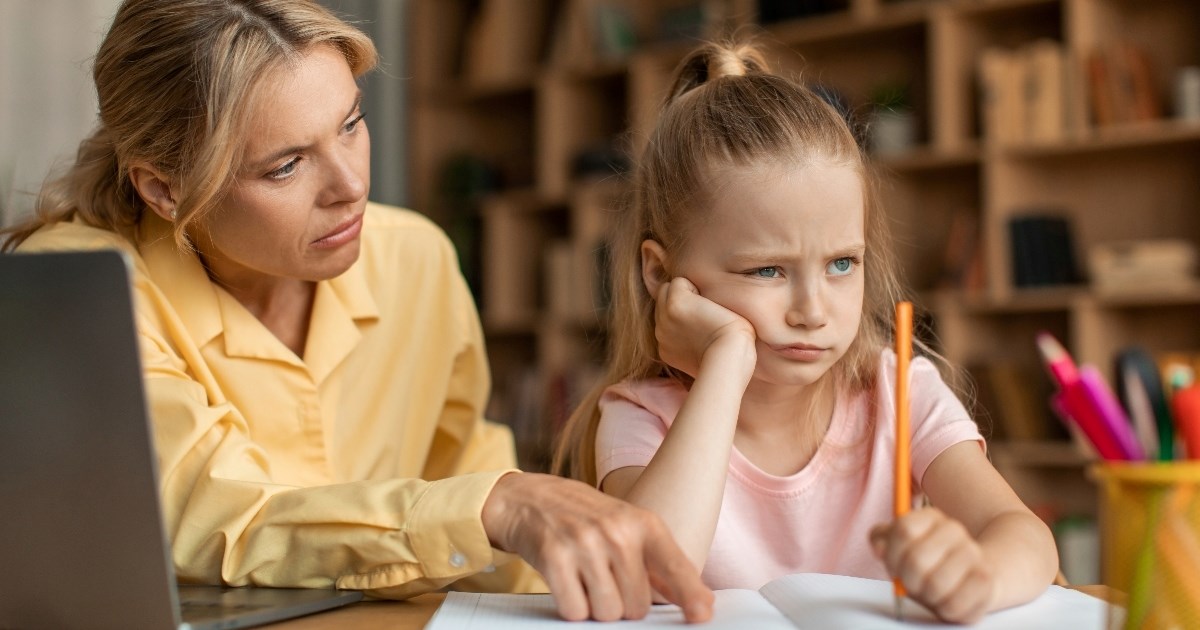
{"type": "Point", "coordinates": [807, 309]}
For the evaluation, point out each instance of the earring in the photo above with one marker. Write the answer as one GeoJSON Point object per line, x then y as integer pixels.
{"type": "Point", "coordinates": [172, 214]}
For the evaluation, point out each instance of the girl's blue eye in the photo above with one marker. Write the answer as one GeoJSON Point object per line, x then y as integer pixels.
{"type": "Point", "coordinates": [841, 267]}
{"type": "Point", "coordinates": [766, 272]}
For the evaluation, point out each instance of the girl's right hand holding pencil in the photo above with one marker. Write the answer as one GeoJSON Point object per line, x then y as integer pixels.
{"type": "Point", "coordinates": [940, 563]}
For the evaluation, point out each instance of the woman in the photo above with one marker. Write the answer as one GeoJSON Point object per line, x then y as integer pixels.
{"type": "Point", "coordinates": [314, 364]}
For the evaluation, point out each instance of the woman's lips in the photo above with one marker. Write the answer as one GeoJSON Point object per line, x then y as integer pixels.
{"type": "Point", "coordinates": [342, 234]}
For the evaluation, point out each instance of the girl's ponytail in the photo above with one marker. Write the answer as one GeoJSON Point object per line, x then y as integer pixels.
{"type": "Point", "coordinates": [713, 61]}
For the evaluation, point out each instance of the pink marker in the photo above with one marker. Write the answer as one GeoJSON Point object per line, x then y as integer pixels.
{"type": "Point", "coordinates": [1085, 399]}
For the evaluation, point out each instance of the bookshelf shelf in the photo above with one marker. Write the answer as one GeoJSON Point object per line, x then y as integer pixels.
{"type": "Point", "coordinates": [848, 26]}
{"type": "Point", "coordinates": [476, 91]}
{"type": "Point", "coordinates": [993, 8]}
{"type": "Point", "coordinates": [1184, 296]}
{"type": "Point", "coordinates": [923, 159]}
{"type": "Point", "coordinates": [1130, 137]}
{"type": "Point", "coordinates": [1048, 300]}
{"type": "Point", "coordinates": [1042, 453]}
{"type": "Point", "coordinates": [516, 327]}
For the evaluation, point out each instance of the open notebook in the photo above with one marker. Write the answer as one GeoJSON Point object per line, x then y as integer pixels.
{"type": "Point", "coordinates": [804, 601]}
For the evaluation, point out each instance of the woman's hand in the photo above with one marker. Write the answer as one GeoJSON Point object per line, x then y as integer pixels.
{"type": "Point", "coordinates": [938, 562]}
{"type": "Point", "coordinates": [600, 556]}
{"type": "Point", "coordinates": [687, 325]}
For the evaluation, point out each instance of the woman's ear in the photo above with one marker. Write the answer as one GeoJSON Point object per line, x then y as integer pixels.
{"type": "Point", "coordinates": [654, 266]}
{"type": "Point", "coordinates": [154, 188]}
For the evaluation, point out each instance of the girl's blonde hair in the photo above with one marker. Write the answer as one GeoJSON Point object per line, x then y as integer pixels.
{"type": "Point", "coordinates": [175, 80]}
{"type": "Point", "coordinates": [724, 109]}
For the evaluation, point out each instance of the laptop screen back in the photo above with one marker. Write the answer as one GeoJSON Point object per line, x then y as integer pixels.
{"type": "Point", "coordinates": [81, 539]}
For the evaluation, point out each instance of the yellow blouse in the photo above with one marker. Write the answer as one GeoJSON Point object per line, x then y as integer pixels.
{"type": "Point", "coordinates": [365, 463]}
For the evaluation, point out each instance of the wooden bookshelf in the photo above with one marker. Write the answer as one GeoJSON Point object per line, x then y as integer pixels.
{"type": "Point", "coordinates": [544, 223]}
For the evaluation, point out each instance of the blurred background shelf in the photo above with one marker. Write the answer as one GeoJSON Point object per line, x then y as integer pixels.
{"type": "Point", "coordinates": [983, 116]}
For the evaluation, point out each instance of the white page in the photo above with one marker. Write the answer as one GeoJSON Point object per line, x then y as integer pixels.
{"type": "Point", "coordinates": [732, 610]}
{"type": "Point", "coordinates": [820, 602]}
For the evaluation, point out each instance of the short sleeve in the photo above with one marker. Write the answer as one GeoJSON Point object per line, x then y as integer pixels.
{"type": "Point", "coordinates": [629, 432]}
{"type": "Point", "coordinates": [939, 419]}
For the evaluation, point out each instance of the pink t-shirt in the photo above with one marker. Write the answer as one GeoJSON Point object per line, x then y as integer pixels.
{"type": "Point", "coordinates": [817, 519]}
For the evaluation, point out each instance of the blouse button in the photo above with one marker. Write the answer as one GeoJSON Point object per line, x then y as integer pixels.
{"type": "Point", "coordinates": [457, 560]}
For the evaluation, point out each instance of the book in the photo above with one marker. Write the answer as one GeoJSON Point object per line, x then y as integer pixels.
{"type": "Point", "coordinates": [1002, 87]}
{"type": "Point", "coordinates": [504, 40]}
{"type": "Point", "coordinates": [1141, 265]}
{"type": "Point", "coordinates": [1042, 251]}
{"type": "Point", "coordinates": [1019, 399]}
{"type": "Point", "coordinates": [961, 251]}
{"type": "Point", "coordinates": [1045, 104]}
{"type": "Point", "coordinates": [1145, 100]}
{"type": "Point", "coordinates": [1122, 85]}
{"type": "Point", "coordinates": [805, 601]}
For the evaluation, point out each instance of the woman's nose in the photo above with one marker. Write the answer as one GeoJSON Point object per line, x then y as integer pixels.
{"type": "Point", "coordinates": [345, 181]}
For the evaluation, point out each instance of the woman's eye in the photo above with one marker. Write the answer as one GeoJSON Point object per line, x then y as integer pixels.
{"type": "Point", "coordinates": [353, 124]}
{"type": "Point", "coordinates": [285, 170]}
{"type": "Point", "coordinates": [766, 272]}
{"type": "Point", "coordinates": [841, 267]}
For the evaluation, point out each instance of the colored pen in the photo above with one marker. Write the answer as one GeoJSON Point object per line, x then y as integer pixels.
{"type": "Point", "coordinates": [1186, 407]}
{"type": "Point", "coordinates": [1143, 385]}
{"type": "Point", "coordinates": [903, 468]}
{"type": "Point", "coordinates": [1137, 402]}
{"type": "Point", "coordinates": [1085, 399]}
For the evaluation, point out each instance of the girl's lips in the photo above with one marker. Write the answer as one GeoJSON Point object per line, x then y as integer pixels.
{"type": "Point", "coordinates": [341, 234]}
{"type": "Point", "coordinates": [800, 352]}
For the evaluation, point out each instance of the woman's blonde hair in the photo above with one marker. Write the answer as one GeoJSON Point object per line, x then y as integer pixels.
{"type": "Point", "coordinates": [174, 79]}
{"type": "Point", "coordinates": [725, 109]}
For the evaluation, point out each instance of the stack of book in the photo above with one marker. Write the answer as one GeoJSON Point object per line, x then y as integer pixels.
{"type": "Point", "coordinates": [1042, 93]}
{"type": "Point", "coordinates": [1043, 253]}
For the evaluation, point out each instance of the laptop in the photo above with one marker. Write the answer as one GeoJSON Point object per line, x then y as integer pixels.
{"type": "Point", "coordinates": [82, 542]}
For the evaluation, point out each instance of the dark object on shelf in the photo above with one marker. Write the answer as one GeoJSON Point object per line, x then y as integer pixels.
{"type": "Point", "coordinates": [770, 11]}
{"type": "Point", "coordinates": [839, 103]}
{"type": "Point", "coordinates": [1043, 252]}
{"type": "Point", "coordinates": [603, 287]}
{"type": "Point", "coordinates": [687, 21]}
{"type": "Point", "coordinates": [463, 181]}
{"type": "Point", "coordinates": [603, 160]}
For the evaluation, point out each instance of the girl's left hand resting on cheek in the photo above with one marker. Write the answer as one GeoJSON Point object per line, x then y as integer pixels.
{"type": "Point", "coordinates": [687, 325]}
{"type": "Point", "coordinates": [939, 563]}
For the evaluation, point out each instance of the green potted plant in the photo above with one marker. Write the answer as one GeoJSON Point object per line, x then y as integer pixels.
{"type": "Point", "coordinates": [893, 124]}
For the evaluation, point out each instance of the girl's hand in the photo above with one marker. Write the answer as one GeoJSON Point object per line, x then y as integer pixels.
{"type": "Point", "coordinates": [687, 325]}
{"type": "Point", "coordinates": [938, 562]}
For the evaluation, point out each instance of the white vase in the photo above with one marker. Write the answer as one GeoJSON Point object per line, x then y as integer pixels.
{"type": "Point", "coordinates": [892, 132]}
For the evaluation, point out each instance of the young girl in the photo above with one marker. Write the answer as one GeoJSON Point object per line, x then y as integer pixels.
{"type": "Point", "coordinates": [749, 399]}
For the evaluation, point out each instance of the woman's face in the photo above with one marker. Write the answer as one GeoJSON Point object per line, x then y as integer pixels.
{"type": "Point", "coordinates": [296, 207]}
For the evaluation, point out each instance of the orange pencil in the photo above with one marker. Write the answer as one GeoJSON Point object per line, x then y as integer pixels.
{"type": "Point", "coordinates": [903, 467]}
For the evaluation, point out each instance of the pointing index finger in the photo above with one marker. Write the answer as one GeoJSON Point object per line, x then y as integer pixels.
{"type": "Point", "coordinates": [673, 575]}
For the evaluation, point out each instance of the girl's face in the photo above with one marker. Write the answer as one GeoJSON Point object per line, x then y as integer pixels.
{"type": "Point", "coordinates": [296, 207]}
{"type": "Point", "coordinates": [783, 247]}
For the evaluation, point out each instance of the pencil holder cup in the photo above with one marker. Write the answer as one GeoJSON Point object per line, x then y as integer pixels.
{"type": "Point", "coordinates": [1150, 542]}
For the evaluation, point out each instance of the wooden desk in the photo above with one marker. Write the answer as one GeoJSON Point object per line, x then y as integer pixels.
{"type": "Point", "coordinates": [413, 614]}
